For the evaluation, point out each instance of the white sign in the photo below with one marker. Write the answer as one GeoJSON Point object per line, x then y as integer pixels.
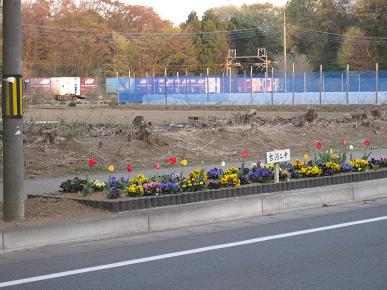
{"type": "Point", "coordinates": [278, 156]}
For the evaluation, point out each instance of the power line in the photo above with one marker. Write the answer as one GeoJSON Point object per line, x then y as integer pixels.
{"type": "Point", "coordinates": [157, 38]}
{"type": "Point", "coordinates": [339, 35]}
{"type": "Point", "coordinates": [72, 30]}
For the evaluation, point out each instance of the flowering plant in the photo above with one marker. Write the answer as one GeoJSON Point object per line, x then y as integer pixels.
{"type": "Point", "coordinates": [72, 185]}
{"type": "Point", "coordinates": [330, 168]}
{"type": "Point", "coordinates": [98, 185]}
{"type": "Point", "coordinates": [231, 179]}
{"type": "Point", "coordinates": [327, 163]}
{"type": "Point", "coordinates": [114, 193]}
{"type": "Point", "coordinates": [172, 160]}
{"type": "Point", "coordinates": [297, 164]}
{"type": "Point", "coordinates": [173, 177]}
{"type": "Point", "coordinates": [134, 190]}
{"type": "Point", "coordinates": [152, 188]}
{"type": "Point", "coordinates": [171, 188]}
{"type": "Point", "coordinates": [114, 188]}
{"type": "Point", "coordinates": [139, 179]}
{"type": "Point", "coordinates": [284, 174]}
{"type": "Point", "coordinates": [214, 185]}
{"type": "Point", "coordinates": [245, 154]}
{"type": "Point", "coordinates": [260, 175]}
{"type": "Point", "coordinates": [346, 167]}
{"type": "Point", "coordinates": [378, 163]}
{"type": "Point", "coordinates": [382, 162]}
{"type": "Point", "coordinates": [215, 173]}
{"type": "Point", "coordinates": [231, 170]}
{"type": "Point", "coordinates": [319, 145]}
{"type": "Point", "coordinates": [91, 163]}
{"type": "Point", "coordinates": [196, 180]}
{"type": "Point", "coordinates": [310, 171]}
{"type": "Point", "coordinates": [359, 164]}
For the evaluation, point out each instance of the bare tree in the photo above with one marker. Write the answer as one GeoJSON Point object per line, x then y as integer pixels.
{"type": "Point", "coordinates": [301, 62]}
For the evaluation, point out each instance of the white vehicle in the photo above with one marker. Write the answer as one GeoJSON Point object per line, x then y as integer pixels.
{"type": "Point", "coordinates": [66, 88]}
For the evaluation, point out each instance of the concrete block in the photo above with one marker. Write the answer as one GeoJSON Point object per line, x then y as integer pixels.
{"type": "Point", "coordinates": [103, 227]}
{"type": "Point", "coordinates": [205, 212]}
{"type": "Point", "coordinates": [370, 189]}
{"type": "Point", "coordinates": [307, 198]}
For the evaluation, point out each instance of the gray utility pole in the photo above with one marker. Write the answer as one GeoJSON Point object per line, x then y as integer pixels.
{"type": "Point", "coordinates": [12, 112]}
{"type": "Point", "coordinates": [285, 55]}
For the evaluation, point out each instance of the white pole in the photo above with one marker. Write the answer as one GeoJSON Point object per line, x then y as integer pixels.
{"type": "Point", "coordinates": [186, 85]}
{"type": "Point", "coordinates": [153, 82]}
{"type": "Point", "coordinates": [321, 83]}
{"type": "Point", "coordinates": [342, 82]}
{"type": "Point", "coordinates": [230, 81]}
{"type": "Point", "coordinates": [377, 84]}
{"type": "Point", "coordinates": [251, 84]}
{"type": "Point", "coordinates": [146, 84]}
{"type": "Point", "coordinates": [347, 87]}
{"type": "Point", "coordinates": [208, 85]}
{"type": "Point", "coordinates": [118, 91]}
{"type": "Point", "coordinates": [165, 86]}
{"type": "Point", "coordinates": [129, 81]}
{"type": "Point", "coordinates": [178, 88]}
{"type": "Point", "coordinates": [272, 86]}
{"type": "Point", "coordinates": [304, 82]}
{"type": "Point", "coordinates": [276, 173]}
{"type": "Point", "coordinates": [285, 52]}
{"type": "Point", "coordinates": [294, 83]}
{"type": "Point", "coordinates": [134, 88]}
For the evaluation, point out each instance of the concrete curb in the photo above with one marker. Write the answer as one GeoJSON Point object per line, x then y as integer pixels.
{"type": "Point", "coordinates": [173, 217]}
{"type": "Point", "coordinates": [307, 198]}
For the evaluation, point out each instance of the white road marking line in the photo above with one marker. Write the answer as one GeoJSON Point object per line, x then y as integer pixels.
{"type": "Point", "coordinates": [187, 252]}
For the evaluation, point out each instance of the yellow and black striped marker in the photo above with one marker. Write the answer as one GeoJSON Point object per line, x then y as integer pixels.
{"type": "Point", "coordinates": [12, 96]}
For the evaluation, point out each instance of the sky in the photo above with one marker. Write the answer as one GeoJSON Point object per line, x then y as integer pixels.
{"type": "Point", "coordinates": [177, 10]}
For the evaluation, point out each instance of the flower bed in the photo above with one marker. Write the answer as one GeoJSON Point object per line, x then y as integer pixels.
{"type": "Point", "coordinates": [127, 204]}
{"type": "Point", "coordinates": [199, 185]}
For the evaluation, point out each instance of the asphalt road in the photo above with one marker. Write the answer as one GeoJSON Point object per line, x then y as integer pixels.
{"type": "Point", "coordinates": [325, 248]}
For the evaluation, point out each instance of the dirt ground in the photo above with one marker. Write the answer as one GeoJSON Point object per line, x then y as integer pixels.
{"type": "Point", "coordinates": [102, 133]}
{"type": "Point", "coordinates": [106, 134]}
{"type": "Point", "coordinates": [44, 210]}
{"type": "Point", "coordinates": [172, 113]}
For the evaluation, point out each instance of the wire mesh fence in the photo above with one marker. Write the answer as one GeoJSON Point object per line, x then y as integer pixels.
{"type": "Point", "coordinates": [341, 87]}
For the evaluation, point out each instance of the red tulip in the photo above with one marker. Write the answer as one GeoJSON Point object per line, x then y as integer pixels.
{"type": "Point", "coordinates": [172, 160]}
{"type": "Point", "coordinates": [157, 165]}
{"type": "Point", "coordinates": [367, 142]}
{"type": "Point", "coordinates": [245, 154]}
{"type": "Point", "coordinates": [91, 163]}
{"type": "Point", "coordinates": [319, 145]}
{"type": "Point", "coordinates": [129, 168]}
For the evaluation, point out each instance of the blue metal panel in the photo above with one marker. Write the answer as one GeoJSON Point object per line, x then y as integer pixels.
{"type": "Point", "coordinates": [241, 89]}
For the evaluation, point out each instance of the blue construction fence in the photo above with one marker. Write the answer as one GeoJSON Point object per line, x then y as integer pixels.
{"type": "Point", "coordinates": [353, 87]}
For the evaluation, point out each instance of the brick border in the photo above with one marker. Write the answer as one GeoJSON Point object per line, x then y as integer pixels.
{"type": "Point", "coordinates": [229, 192]}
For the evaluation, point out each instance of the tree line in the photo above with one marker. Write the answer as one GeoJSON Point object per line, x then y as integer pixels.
{"type": "Point", "coordinates": [108, 37]}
